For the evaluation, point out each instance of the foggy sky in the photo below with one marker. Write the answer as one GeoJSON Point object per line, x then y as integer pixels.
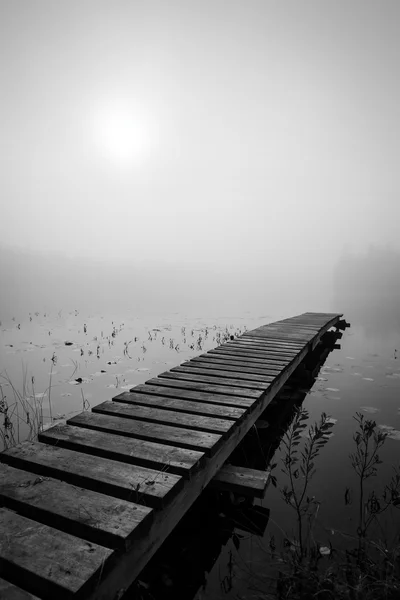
{"type": "Point", "coordinates": [268, 131]}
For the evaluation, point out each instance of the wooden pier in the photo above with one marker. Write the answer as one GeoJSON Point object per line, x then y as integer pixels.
{"type": "Point", "coordinates": [84, 509]}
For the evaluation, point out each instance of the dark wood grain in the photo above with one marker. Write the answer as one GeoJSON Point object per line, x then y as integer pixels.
{"type": "Point", "coordinates": [159, 415]}
{"type": "Point", "coordinates": [176, 391]}
{"type": "Point", "coordinates": [210, 388]}
{"type": "Point", "coordinates": [95, 473]}
{"type": "Point", "coordinates": [180, 461]}
{"type": "Point", "coordinates": [181, 405]}
{"type": "Point", "coordinates": [164, 434]}
{"type": "Point", "coordinates": [223, 381]}
{"type": "Point", "coordinates": [51, 563]}
{"type": "Point", "coordinates": [101, 519]}
{"type": "Point", "coordinates": [208, 362]}
{"type": "Point", "coordinates": [241, 480]}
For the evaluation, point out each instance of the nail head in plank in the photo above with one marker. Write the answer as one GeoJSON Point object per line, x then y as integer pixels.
{"type": "Point", "coordinates": [95, 473]}
{"type": "Point", "coordinates": [201, 441]}
{"type": "Point", "coordinates": [51, 563]}
{"type": "Point", "coordinates": [182, 405]}
{"type": "Point", "coordinates": [191, 394]}
{"type": "Point", "coordinates": [101, 519]}
{"type": "Point", "coordinates": [158, 415]}
{"type": "Point", "coordinates": [128, 450]}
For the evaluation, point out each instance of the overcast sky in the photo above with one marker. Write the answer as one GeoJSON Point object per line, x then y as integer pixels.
{"type": "Point", "coordinates": [227, 131]}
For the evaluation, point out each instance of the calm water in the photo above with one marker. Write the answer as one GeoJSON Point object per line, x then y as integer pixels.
{"type": "Point", "coordinates": [112, 353]}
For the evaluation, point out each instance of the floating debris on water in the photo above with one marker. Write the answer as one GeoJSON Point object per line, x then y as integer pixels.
{"type": "Point", "coordinates": [367, 378]}
{"type": "Point", "coordinates": [391, 432]}
{"type": "Point", "coordinates": [370, 409]}
{"type": "Point", "coordinates": [332, 389]}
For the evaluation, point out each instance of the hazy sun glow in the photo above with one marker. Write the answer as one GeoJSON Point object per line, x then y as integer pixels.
{"type": "Point", "coordinates": [122, 133]}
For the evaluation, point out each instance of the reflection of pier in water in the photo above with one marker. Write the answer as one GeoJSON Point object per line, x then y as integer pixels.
{"type": "Point", "coordinates": [181, 566]}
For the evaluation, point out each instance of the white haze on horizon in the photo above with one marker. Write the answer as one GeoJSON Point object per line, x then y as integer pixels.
{"type": "Point", "coordinates": [228, 133]}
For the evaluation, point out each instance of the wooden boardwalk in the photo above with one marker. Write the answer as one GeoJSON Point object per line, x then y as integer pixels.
{"type": "Point", "coordinates": [83, 510]}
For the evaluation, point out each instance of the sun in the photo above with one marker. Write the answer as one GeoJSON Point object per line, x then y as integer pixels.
{"type": "Point", "coordinates": [122, 133]}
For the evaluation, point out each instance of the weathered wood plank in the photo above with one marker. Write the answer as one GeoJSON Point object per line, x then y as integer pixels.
{"type": "Point", "coordinates": [8, 591]}
{"type": "Point", "coordinates": [233, 355]}
{"type": "Point", "coordinates": [266, 343]}
{"type": "Point", "coordinates": [182, 405]}
{"type": "Point", "coordinates": [215, 372]}
{"type": "Point", "coordinates": [276, 343]}
{"type": "Point", "coordinates": [245, 352]}
{"type": "Point", "coordinates": [263, 354]}
{"type": "Point", "coordinates": [240, 480]}
{"type": "Point", "coordinates": [51, 563]}
{"type": "Point", "coordinates": [225, 365]}
{"type": "Point", "coordinates": [226, 389]}
{"type": "Point", "coordinates": [201, 441]}
{"type": "Point", "coordinates": [176, 391]}
{"type": "Point", "coordinates": [98, 518]}
{"type": "Point", "coordinates": [158, 415]}
{"type": "Point", "coordinates": [180, 461]}
{"type": "Point", "coordinates": [95, 473]}
{"type": "Point", "coordinates": [223, 381]}
{"type": "Point", "coordinates": [254, 348]}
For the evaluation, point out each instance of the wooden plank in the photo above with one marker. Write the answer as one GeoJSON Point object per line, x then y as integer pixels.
{"type": "Point", "coordinates": [192, 394]}
{"type": "Point", "coordinates": [8, 591]}
{"type": "Point", "coordinates": [226, 389]}
{"type": "Point", "coordinates": [244, 352]}
{"type": "Point", "coordinates": [274, 333]}
{"type": "Point", "coordinates": [249, 335]}
{"type": "Point", "coordinates": [262, 349]}
{"type": "Point", "coordinates": [51, 563]}
{"type": "Point", "coordinates": [240, 480]}
{"type": "Point", "coordinates": [213, 371]}
{"type": "Point", "coordinates": [182, 405]}
{"type": "Point", "coordinates": [169, 417]}
{"type": "Point", "coordinates": [135, 484]}
{"type": "Point", "coordinates": [267, 343]}
{"type": "Point", "coordinates": [201, 441]}
{"type": "Point", "coordinates": [255, 352]}
{"type": "Point", "coordinates": [101, 519]}
{"type": "Point", "coordinates": [240, 357]}
{"type": "Point", "coordinates": [180, 461]}
{"type": "Point", "coordinates": [239, 383]}
{"type": "Point", "coordinates": [226, 365]}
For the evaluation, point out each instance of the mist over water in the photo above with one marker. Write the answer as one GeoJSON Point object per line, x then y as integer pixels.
{"type": "Point", "coordinates": [34, 281]}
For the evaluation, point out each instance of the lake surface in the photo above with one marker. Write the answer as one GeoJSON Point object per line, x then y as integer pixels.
{"type": "Point", "coordinates": [88, 359]}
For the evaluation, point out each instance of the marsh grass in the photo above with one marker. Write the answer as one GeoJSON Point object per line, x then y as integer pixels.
{"type": "Point", "coordinates": [21, 411]}
{"type": "Point", "coordinates": [366, 566]}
